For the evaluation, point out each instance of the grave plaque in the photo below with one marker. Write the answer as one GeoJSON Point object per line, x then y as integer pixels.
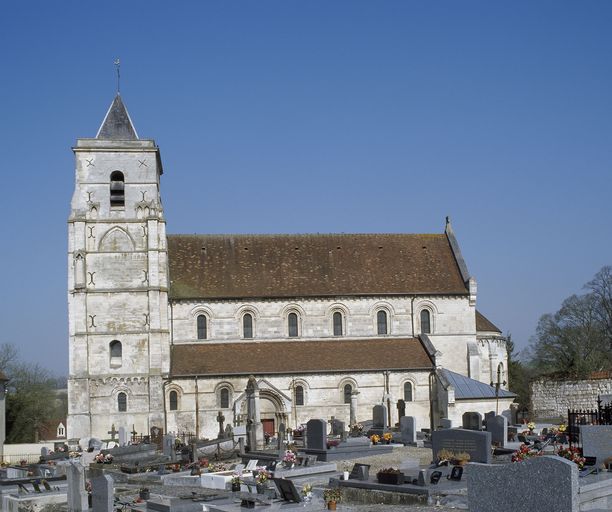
{"type": "Point", "coordinates": [498, 426]}
{"type": "Point", "coordinates": [316, 435]}
{"type": "Point", "coordinates": [477, 444]}
{"type": "Point", "coordinates": [168, 446]}
{"type": "Point", "coordinates": [472, 420]}
{"type": "Point", "coordinates": [337, 427]}
{"type": "Point", "coordinates": [408, 429]}
{"type": "Point", "coordinates": [102, 493]}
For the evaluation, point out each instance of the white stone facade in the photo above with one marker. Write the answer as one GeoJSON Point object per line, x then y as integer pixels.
{"type": "Point", "coordinates": [122, 325]}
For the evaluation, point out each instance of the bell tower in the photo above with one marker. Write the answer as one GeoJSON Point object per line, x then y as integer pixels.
{"type": "Point", "coordinates": [117, 282]}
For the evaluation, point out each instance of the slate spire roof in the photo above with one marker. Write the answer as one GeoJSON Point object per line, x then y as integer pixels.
{"type": "Point", "coordinates": [117, 124]}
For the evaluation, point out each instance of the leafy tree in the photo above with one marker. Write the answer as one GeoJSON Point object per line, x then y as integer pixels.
{"type": "Point", "coordinates": [518, 374]}
{"type": "Point", "coordinates": [577, 339]}
{"type": "Point", "coordinates": [31, 399]}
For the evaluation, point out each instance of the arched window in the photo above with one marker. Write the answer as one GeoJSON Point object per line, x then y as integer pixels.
{"type": "Point", "coordinates": [117, 189]}
{"type": "Point", "coordinates": [381, 322]}
{"type": "Point", "coordinates": [425, 321]}
{"type": "Point", "coordinates": [337, 323]}
{"type": "Point", "coordinates": [247, 325]}
{"type": "Point", "coordinates": [348, 389]}
{"type": "Point", "coordinates": [202, 328]}
{"type": "Point", "coordinates": [115, 352]}
{"type": "Point", "coordinates": [292, 324]}
{"type": "Point", "coordinates": [408, 391]}
{"type": "Point", "coordinates": [173, 399]}
{"type": "Point", "coordinates": [299, 395]}
{"type": "Point", "coordinates": [122, 402]}
{"type": "Point", "coordinates": [224, 398]}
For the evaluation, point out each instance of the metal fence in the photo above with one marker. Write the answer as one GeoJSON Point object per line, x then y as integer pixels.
{"type": "Point", "coordinates": [578, 417]}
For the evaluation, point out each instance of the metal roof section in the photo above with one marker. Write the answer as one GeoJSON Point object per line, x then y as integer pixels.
{"type": "Point", "coordinates": [117, 124]}
{"type": "Point", "coordinates": [466, 388]}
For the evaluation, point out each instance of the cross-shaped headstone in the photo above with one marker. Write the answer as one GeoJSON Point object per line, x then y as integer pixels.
{"type": "Point", "coordinates": [133, 432]}
{"type": "Point", "coordinates": [220, 420]}
{"type": "Point", "coordinates": [113, 432]}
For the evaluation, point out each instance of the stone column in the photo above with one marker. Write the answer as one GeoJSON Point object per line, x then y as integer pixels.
{"type": "Point", "coordinates": [255, 435]}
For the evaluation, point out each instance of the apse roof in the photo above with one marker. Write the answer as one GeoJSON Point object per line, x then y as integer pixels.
{"type": "Point", "coordinates": [466, 388]}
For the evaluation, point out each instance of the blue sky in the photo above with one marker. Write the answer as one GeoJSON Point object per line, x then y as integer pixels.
{"type": "Point", "coordinates": [320, 116]}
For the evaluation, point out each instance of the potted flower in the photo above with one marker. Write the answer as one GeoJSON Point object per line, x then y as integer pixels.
{"type": "Point", "coordinates": [236, 482]}
{"type": "Point", "coordinates": [261, 481]}
{"type": "Point", "coordinates": [289, 459]}
{"type": "Point", "coordinates": [332, 497]}
{"type": "Point", "coordinates": [387, 436]}
{"type": "Point", "coordinates": [144, 493]}
{"type": "Point", "coordinates": [345, 471]}
{"type": "Point", "coordinates": [524, 452]}
{"type": "Point", "coordinates": [390, 476]}
{"type": "Point", "coordinates": [531, 426]}
{"type": "Point", "coordinates": [375, 438]}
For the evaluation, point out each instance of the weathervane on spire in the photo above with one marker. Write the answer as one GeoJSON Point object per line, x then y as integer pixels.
{"type": "Point", "coordinates": [118, 64]}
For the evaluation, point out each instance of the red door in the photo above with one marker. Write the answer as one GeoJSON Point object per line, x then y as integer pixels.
{"type": "Point", "coordinates": [268, 427]}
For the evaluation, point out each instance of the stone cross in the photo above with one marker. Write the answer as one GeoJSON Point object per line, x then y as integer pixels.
{"type": "Point", "coordinates": [220, 420]}
{"type": "Point", "coordinates": [133, 432]}
{"type": "Point", "coordinates": [113, 432]}
{"type": "Point", "coordinates": [401, 409]}
{"type": "Point", "coordinates": [255, 437]}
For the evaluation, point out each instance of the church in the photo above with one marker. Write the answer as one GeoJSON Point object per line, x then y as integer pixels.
{"type": "Point", "coordinates": [165, 330]}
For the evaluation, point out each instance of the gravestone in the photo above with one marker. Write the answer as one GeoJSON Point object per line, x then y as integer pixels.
{"type": "Point", "coordinates": [44, 451]}
{"type": "Point", "coordinates": [337, 427]}
{"type": "Point", "coordinates": [102, 494]}
{"type": "Point", "coordinates": [316, 435]}
{"type": "Point", "coordinates": [281, 437]}
{"type": "Point", "coordinates": [596, 441]}
{"type": "Point", "coordinates": [379, 418]}
{"type": "Point", "coordinates": [488, 416]}
{"type": "Point", "coordinates": [472, 420]}
{"type": "Point", "coordinates": [477, 444]}
{"type": "Point", "coordinates": [360, 472]}
{"type": "Point", "coordinates": [408, 429]}
{"type": "Point", "coordinates": [538, 483]}
{"type": "Point", "coordinates": [95, 444]}
{"type": "Point", "coordinates": [498, 426]}
{"type": "Point", "coordinates": [445, 423]}
{"type": "Point", "coordinates": [123, 436]}
{"type": "Point", "coordinates": [77, 495]}
{"type": "Point", "coordinates": [229, 432]}
{"type": "Point", "coordinates": [401, 408]}
{"type": "Point", "coordinates": [168, 445]}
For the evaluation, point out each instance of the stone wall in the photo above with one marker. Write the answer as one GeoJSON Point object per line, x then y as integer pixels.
{"type": "Point", "coordinates": [552, 398]}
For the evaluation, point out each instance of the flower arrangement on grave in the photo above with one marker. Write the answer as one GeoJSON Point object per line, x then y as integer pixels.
{"type": "Point", "coordinates": [572, 454]}
{"type": "Point", "coordinates": [103, 459]}
{"type": "Point", "coordinates": [299, 432]}
{"type": "Point", "coordinates": [333, 442]}
{"type": "Point", "coordinates": [444, 456]}
{"type": "Point", "coordinates": [23, 462]}
{"type": "Point", "coordinates": [562, 428]}
{"type": "Point", "coordinates": [531, 426]}
{"type": "Point", "coordinates": [375, 438]}
{"type": "Point", "coordinates": [217, 467]}
{"type": "Point", "coordinates": [461, 458]}
{"type": "Point", "coordinates": [387, 436]}
{"type": "Point", "coordinates": [524, 452]}
{"type": "Point", "coordinates": [289, 458]}
{"type": "Point", "coordinates": [73, 455]}
{"type": "Point", "coordinates": [307, 492]}
{"type": "Point", "coordinates": [262, 476]}
{"type": "Point", "coordinates": [356, 429]}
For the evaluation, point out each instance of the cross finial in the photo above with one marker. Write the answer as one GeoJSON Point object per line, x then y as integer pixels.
{"type": "Point", "coordinates": [117, 65]}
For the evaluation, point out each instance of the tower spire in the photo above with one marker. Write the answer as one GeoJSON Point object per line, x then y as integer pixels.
{"type": "Point", "coordinates": [118, 65]}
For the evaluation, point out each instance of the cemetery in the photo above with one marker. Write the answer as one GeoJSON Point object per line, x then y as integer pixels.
{"type": "Point", "coordinates": [484, 464]}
